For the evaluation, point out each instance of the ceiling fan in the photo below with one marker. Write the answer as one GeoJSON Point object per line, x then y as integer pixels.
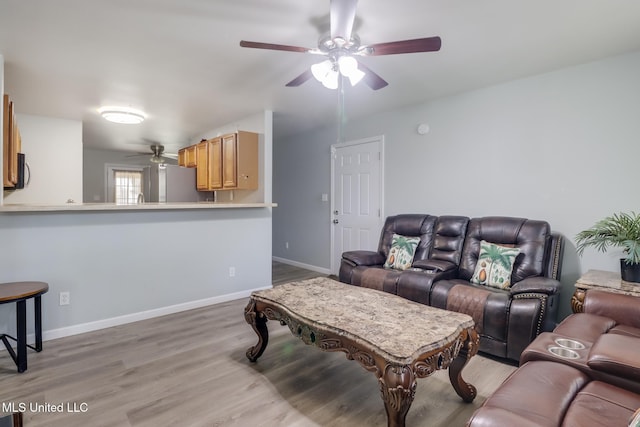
{"type": "Point", "coordinates": [342, 45]}
{"type": "Point", "coordinates": [157, 154]}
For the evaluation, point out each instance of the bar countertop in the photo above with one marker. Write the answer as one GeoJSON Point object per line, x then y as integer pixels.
{"type": "Point", "coordinates": [112, 207]}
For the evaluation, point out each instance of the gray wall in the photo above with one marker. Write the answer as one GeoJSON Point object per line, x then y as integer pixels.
{"type": "Point", "coordinates": [301, 175]}
{"type": "Point", "coordinates": [561, 146]}
{"type": "Point", "coordinates": [53, 153]}
{"type": "Point", "coordinates": [93, 170]}
{"type": "Point", "coordinates": [118, 264]}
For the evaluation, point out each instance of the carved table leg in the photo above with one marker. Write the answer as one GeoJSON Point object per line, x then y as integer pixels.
{"type": "Point", "coordinates": [258, 322]}
{"type": "Point", "coordinates": [398, 388]}
{"type": "Point", "coordinates": [469, 348]}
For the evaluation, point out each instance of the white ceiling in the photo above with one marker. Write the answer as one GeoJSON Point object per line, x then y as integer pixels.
{"type": "Point", "coordinates": [180, 60]}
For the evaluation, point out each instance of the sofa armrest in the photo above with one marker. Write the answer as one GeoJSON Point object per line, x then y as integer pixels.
{"type": "Point", "coordinates": [364, 258]}
{"type": "Point", "coordinates": [624, 309]}
{"type": "Point", "coordinates": [434, 265]}
{"type": "Point", "coordinates": [537, 284]}
{"type": "Point", "coordinates": [616, 354]}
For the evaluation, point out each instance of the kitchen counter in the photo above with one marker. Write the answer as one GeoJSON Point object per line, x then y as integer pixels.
{"type": "Point", "coordinates": [112, 207]}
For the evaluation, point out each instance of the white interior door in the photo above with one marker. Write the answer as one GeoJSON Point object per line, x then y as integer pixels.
{"type": "Point", "coordinates": [356, 197]}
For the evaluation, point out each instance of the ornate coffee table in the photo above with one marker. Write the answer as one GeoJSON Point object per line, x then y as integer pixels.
{"type": "Point", "coordinates": [396, 339]}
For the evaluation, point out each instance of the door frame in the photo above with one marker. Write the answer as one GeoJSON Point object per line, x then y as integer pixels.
{"type": "Point", "coordinates": [334, 147]}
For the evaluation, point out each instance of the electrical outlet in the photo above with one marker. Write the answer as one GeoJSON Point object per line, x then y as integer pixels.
{"type": "Point", "coordinates": [65, 298]}
{"type": "Point", "coordinates": [232, 272]}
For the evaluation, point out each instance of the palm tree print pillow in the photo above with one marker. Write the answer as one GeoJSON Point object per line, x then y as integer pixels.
{"type": "Point", "coordinates": [495, 265]}
{"type": "Point", "coordinates": [402, 250]}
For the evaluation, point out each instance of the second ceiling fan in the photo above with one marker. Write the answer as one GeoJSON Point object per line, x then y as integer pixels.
{"type": "Point", "coordinates": [341, 47]}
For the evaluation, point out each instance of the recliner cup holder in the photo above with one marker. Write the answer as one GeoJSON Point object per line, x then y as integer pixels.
{"type": "Point", "coordinates": [569, 343]}
{"type": "Point", "coordinates": [564, 352]}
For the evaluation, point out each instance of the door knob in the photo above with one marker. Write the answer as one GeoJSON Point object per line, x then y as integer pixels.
{"type": "Point", "coordinates": [335, 212]}
{"type": "Point", "coordinates": [335, 221]}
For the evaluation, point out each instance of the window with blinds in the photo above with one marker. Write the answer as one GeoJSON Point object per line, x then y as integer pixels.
{"type": "Point", "coordinates": [127, 186]}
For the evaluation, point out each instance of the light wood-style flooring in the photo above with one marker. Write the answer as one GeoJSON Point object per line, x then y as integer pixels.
{"type": "Point", "coordinates": [190, 369]}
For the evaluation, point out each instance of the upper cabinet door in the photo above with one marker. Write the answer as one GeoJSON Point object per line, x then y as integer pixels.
{"type": "Point", "coordinates": [10, 144]}
{"type": "Point", "coordinates": [190, 157]}
{"type": "Point", "coordinates": [229, 161]}
{"type": "Point", "coordinates": [215, 163]}
{"type": "Point", "coordinates": [202, 176]}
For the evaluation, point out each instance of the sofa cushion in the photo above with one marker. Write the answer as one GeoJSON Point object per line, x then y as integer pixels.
{"type": "Point", "coordinates": [468, 300]}
{"type": "Point", "coordinates": [494, 265]}
{"type": "Point", "coordinates": [413, 225]}
{"type": "Point", "coordinates": [531, 236]}
{"type": "Point", "coordinates": [619, 307]}
{"type": "Point", "coordinates": [616, 354]}
{"type": "Point", "coordinates": [601, 404]}
{"type": "Point", "coordinates": [584, 326]}
{"type": "Point", "coordinates": [540, 392]}
{"type": "Point", "coordinates": [627, 330]}
{"type": "Point", "coordinates": [376, 278]}
{"type": "Point", "coordinates": [403, 249]}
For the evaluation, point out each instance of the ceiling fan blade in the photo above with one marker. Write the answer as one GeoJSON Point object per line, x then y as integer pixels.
{"type": "Point", "coordinates": [343, 14]}
{"type": "Point", "coordinates": [429, 44]}
{"type": "Point", "coordinates": [372, 80]}
{"type": "Point", "coordinates": [271, 46]}
{"type": "Point", "coordinates": [300, 79]}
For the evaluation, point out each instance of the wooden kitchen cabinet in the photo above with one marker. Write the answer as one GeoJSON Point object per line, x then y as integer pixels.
{"type": "Point", "coordinates": [11, 144]}
{"type": "Point", "coordinates": [240, 161]}
{"type": "Point", "coordinates": [231, 163]}
{"type": "Point", "coordinates": [191, 158]}
{"type": "Point", "coordinates": [214, 163]}
{"type": "Point", "coordinates": [182, 157]}
{"type": "Point", "coordinates": [202, 176]}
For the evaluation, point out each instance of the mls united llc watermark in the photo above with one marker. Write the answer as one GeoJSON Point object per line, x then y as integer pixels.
{"type": "Point", "coordinates": [35, 407]}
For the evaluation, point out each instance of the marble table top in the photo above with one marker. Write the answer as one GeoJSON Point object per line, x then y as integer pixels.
{"type": "Point", "coordinates": [393, 325]}
{"type": "Point", "coordinates": [607, 281]}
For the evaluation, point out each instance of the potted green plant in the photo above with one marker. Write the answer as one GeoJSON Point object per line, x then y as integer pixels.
{"type": "Point", "coordinates": [618, 230]}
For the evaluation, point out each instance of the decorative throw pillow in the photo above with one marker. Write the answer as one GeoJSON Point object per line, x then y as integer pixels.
{"type": "Point", "coordinates": [402, 250]}
{"type": "Point", "coordinates": [495, 265]}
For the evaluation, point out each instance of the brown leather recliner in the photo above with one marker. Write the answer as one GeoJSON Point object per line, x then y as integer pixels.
{"type": "Point", "coordinates": [608, 332]}
{"type": "Point", "coordinates": [436, 257]}
{"type": "Point", "coordinates": [445, 260]}
{"type": "Point", "coordinates": [594, 380]}
{"type": "Point", "coordinates": [507, 320]}
{"type": "Point", "coordinates": [549, 394]}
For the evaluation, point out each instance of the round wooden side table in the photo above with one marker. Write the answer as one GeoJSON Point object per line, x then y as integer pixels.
{"type": "Point", "coordinates": [20, 292]}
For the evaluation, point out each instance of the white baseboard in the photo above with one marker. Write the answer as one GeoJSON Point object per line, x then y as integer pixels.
{"type": "Point", "coordinates": [143, 315]}
{"type": "Point", "coordinates": [302, 265]}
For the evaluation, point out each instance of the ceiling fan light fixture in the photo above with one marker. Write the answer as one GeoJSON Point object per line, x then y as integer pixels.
{"type": "Point", "coordinates": [325, 72]}
{"type": "Point", "coordinates": [122, 115]}
{"type": "Point", "coordinates": [321, 69]}
{"type": "Point", "coordinates": [331, 80]}
{"type": "Point", "coordinates": [355, 76]}
{"type": "Point", "coordinates": [348, 66]}
{"type": "Point", "coordinates": [156, 159]}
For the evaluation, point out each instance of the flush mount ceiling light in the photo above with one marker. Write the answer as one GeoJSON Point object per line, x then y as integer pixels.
{"type": "Point", "coordinates": [123, 115]}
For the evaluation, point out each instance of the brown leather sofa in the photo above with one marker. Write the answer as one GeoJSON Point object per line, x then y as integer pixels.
{"type": "Point", "coordinates": [550, 394]}
{"type": "Point", "coordinates": [507, 319]}
{"type": "Point", "coordinates": [595, 382]}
